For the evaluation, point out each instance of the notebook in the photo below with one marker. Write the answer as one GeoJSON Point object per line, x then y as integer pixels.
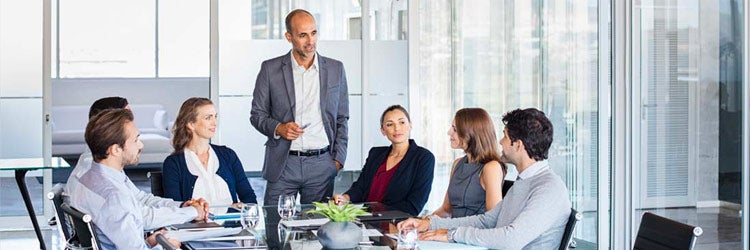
{"type": "Point", "coordinates": [196, 226]}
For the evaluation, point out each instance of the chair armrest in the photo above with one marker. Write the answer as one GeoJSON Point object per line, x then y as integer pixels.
{"type": "Point", "coordinates": [164, 243]}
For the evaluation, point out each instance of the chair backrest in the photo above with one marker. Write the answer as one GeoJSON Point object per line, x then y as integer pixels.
{"type": "Point", "coordinates": [63, 226]}
{"type": "Point", "coordinates": [658, 233]}
{"type": "Point", "coordinates": [506, 186]}
{"type": "Point", "coordinates": [84, 228]}
{"type": "Point", "coordinates": [164, 243]}
{"type": "Point", "coordinates": [567, 237]}
{"type": "Point", "coordinates": [156, 188]}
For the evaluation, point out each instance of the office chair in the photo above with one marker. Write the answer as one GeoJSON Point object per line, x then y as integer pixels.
{"type": "Point", "coordinates": [84, 228]}
{"type": "Point", "coordinates": [659, 233]}
{"type": "Point", "coordinates": [63, 226]}
{"type": "Point", "coordinates": [156, 187]}
{"type": "Point", "coordinates": [567, 239]}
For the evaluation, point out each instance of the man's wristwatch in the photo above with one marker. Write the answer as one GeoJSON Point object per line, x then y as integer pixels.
{"type": "Point", "coordinates": [452, 235]}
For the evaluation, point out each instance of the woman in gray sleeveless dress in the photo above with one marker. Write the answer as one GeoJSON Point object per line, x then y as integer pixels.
{"type": "Point", "coordinates": [477, 178]}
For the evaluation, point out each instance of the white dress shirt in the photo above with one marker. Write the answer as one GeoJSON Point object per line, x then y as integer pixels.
{"type": "Point", "coordinates": [307, 111]}
{"type": "Point", "coordinates": [209, 185]}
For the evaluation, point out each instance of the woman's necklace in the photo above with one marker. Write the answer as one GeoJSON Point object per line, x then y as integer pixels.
{"type": "Point", "coordinates": [203, 157]}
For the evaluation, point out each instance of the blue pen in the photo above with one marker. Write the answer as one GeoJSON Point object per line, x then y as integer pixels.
{"type": "Point", "coordinates": [224, 216]}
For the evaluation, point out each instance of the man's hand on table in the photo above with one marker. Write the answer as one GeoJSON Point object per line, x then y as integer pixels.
{"type": "Point", "coordinates": [200, 205]}
{"type": "Point", "coordinates": [435, 235]}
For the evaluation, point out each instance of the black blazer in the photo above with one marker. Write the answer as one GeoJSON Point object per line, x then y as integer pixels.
{"type": "Point", "coordinates": [178, 182]}
{"type": "Point", "coordinates": [411, 184]}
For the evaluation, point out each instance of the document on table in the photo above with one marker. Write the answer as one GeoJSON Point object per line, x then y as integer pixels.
{"type": "Point", "coordinates": [190, 235]}
{"type": "Point", "coordinates": [428, 245]}
{"type": "Point", "coordinates": [365, 233]}
{"type": "Point", "coordinates": [304, 223]}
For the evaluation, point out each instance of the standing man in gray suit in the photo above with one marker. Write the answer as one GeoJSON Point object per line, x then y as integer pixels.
{"type": "Point", "coordinates": [301, 104]}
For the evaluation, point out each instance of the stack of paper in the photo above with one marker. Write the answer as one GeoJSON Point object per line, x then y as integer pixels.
{"type": "Point", "coordinates": [190, 235]}
{"type": "Point", "coordinates": [304, 223]}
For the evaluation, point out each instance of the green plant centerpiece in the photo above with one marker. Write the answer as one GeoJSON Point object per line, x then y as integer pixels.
{"type": "Point", "coordinates": [340, 232]}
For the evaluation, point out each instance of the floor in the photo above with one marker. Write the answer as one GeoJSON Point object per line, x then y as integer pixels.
{"type": "Point", "coordinates": [722, 227]}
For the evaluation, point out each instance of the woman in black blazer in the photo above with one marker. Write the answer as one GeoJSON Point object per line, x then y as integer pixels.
{"type": "Point", "coordinates": [399, 176]}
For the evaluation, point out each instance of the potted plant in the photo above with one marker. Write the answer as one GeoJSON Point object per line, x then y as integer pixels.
{"type": "Point", "coordinates": [339, 232]}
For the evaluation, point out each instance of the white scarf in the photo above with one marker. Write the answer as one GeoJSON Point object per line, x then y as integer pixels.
{"type": "Point", "coordinates": [209, 185]}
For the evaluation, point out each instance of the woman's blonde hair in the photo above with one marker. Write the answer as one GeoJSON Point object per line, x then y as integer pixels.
{"type": "Point", "coordinates": [475, 128]}
{"type": "Point", "coordinates": [181, 134]}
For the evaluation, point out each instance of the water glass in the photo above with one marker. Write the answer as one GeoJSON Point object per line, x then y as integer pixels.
{"type": "Point", "coordinates": [249, 215]}
{"type": "Point", "coordinates": [287, 204]}
{"type": "Point", "coordinates": [407, 238]}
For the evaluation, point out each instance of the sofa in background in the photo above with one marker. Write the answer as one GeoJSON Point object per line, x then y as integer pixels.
{"type": "Point", "coordinates": [69, 123]}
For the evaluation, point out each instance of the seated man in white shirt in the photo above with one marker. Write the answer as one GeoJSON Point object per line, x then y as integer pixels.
{"type": "Point", "coordinates": [533, 213]}
{"type": "Point", "coordinates": [157, 212]}
{"type": "Point", "coordinates": [108, 195]}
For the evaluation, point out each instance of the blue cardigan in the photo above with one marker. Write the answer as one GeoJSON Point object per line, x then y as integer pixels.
{"type": "Point", "coordinates": [411, 184]}
{"type": "Point", "coordinates": [178, 182]}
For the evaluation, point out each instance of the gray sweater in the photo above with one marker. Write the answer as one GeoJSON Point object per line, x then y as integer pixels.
{"type": "Point", "coordinates": [531, 216]}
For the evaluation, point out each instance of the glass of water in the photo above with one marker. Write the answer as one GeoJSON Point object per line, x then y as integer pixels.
{"type": "Point", "coordinates": [407, 238]}
{"type": "Point", "coordinates": [249, 215]}
{"type": "Point", "coordinates": [287, 204]}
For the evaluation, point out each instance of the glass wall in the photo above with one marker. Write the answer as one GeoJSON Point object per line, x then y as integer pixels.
{"type": "Point", "coordinates": [140, 38]}
{"type": "Point", "coordinates": [687, 61]}
{"type": "Point", "coordinates": [503, 55]}
{"type": "Point", "coordinates": [21, 101]}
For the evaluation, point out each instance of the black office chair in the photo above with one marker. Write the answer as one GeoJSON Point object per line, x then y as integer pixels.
{"type": "Point", "coordinates": [156, 188]}
{"type": "Point", "coordinates": [63, 226]}
{"type": "Point", "coordinates": [567, 239]}
{"type": "Point", "coordinates": [164, 243]}
{"type": "Point", "coordinates": [84, 228]}
{"type": "Point", "coordinates": [506, 186]}
{"type": "Point", "coordinates": [657, 233]}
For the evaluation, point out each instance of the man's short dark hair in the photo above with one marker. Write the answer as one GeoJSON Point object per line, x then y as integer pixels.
{"type": "Point", "coordinates": [533, 128]}
{"type": "Point", "coordinates": [105, 129]}
{"type": "Point", "coordinates": [113, 102]}
{"type": "Point", "coordinates": [288, 20]}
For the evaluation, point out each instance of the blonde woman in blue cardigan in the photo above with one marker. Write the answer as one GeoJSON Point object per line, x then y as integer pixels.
{"type": "Point", "coordinates": [198, 168]}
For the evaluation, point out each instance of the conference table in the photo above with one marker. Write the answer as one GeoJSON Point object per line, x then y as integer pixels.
{"type": "Point", "coordinates": [293, 233]}
{"type": "Point", "coordinates": [21, 167]}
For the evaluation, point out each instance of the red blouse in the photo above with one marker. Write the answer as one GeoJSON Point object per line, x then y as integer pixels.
{"type": "Point", "coordinates": [380, 182]}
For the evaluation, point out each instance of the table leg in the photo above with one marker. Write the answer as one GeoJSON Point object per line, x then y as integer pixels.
{"type": "Point", "coordinates": [21, 181]}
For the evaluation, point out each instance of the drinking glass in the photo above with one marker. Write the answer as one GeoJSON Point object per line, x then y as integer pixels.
{"type": "Point", "coordinates": [287, 204]}
{"type": "Point", "coordinates": [249, 215]}
{"type": "Point", "coordinates": [407, 238]}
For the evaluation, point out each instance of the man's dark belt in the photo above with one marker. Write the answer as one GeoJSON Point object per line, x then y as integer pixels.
{"type": "Point", "coordinates": [312, 152]}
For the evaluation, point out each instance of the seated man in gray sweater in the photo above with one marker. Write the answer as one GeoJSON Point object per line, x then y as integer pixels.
{"type": "Point", "coordinates": [535, 210]}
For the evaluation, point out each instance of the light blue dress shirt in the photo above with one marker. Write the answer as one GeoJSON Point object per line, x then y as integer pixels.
{"type": "Point", "coordinates": [157, 212]}
{"type": "Point", "coordinates": [110, 198]}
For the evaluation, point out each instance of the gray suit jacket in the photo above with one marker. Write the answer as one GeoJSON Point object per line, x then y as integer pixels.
{"type": "Point", "coordinates": [274, 103]}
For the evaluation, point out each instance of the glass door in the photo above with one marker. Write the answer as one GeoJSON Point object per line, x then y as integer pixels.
{"type": "Point", "coordinates": [687, 110]}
